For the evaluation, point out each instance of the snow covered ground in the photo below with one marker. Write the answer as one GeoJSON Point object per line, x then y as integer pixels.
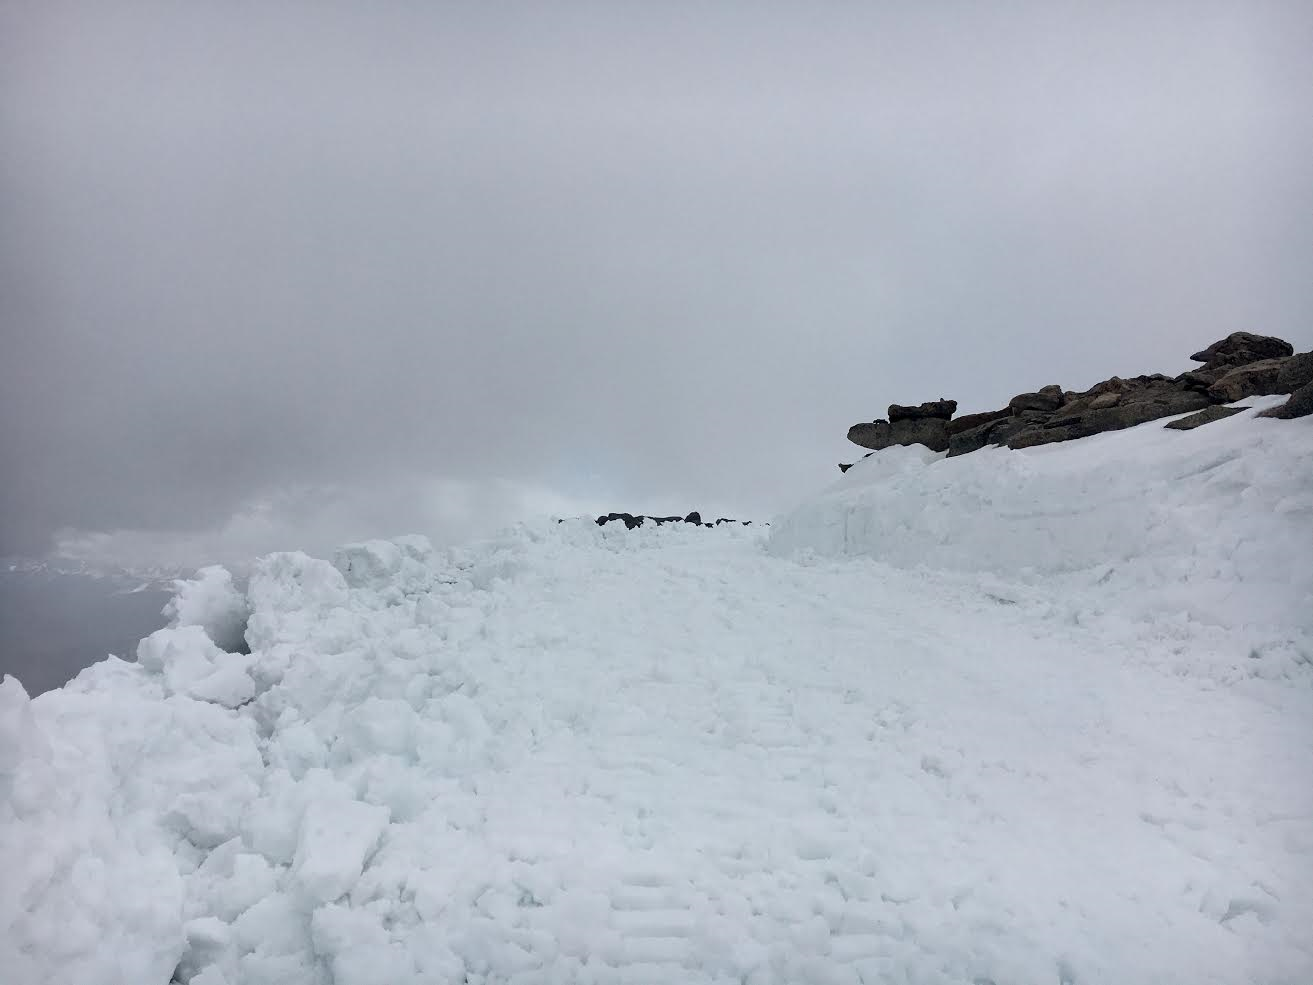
{"type": "Point", "coordinates": [1019, 717]}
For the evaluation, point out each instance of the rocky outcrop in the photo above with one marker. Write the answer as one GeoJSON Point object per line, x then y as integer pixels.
{"type": "Point", "coordinates": [925, 424]}
{"type": "Point", "coordinates": [1257, 379]}
{"type": "Point", "coordinates": [1239, 348]}
{"type": "Point", "coordinates": [1296, 372]}
{"type": "Point", "coordinates": [939, 410]}
{"type": "Point", "coordinates": [1238, 366]}
{"type": "Point", "coordinates": [1048, 398]}
{"type": "Point", "coordinates": [631, 520]}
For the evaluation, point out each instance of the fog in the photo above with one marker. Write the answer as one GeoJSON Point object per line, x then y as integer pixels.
{"type": "Point", "coordinates": [281, 275]}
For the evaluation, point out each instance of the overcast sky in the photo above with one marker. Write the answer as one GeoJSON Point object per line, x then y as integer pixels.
{"type": "Point", "coordinates": [280, 274]}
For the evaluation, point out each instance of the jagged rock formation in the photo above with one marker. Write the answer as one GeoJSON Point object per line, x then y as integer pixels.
{"type": "Point", "coordinates": [925, 424]}
{"type": "Point", "coordinates": [631, 520]}
{"type": "Point", "coordinates": [1238, 366]}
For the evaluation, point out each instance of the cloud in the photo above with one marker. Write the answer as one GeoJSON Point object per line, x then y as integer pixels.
{"type": "Point", "coordinates": [669, 252]}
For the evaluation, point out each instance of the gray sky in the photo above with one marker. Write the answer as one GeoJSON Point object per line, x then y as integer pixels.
{"type": "Point", "coordinates": [278, 275]}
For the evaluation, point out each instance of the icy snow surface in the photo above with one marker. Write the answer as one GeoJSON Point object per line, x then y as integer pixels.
{"type": "Point", "coordinates": [1014, 718]}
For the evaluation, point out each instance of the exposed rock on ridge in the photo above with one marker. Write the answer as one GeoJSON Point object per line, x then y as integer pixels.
{"type": "Point", "coordinates": [1238, 366]}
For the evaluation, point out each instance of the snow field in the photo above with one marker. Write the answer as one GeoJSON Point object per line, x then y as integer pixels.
{"type": "Point", "coordinates": [583, 754]}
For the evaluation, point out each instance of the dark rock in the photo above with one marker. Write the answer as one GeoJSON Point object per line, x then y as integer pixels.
{"type": "Point", "coordinates": [1239, 348]}
{"type": "Point", "coordinates": [968, 421]}
{"type": "Point", "coordinates": [1202, 379]}
{"type": "Point", "coordinates": [1256, 379]}
{"type": "Point", "coordinates": [936, 409]}
{"type": "Point", "coordinates": [1300, 404]}
{"type": "Point", "coordinates": [1047, 398]}
{"type": "Point", "coordinates": [1208, 415]}
{"type": "Point", "coordinates": [630, 521]}
{"type": "Point", "coordinates": [878, 435]}
{"type": "Point", "coordinates": [875, 435]}
{"type": "Point", "coordinates": [1128, 413]}
{"type": "Point", "coordinates": [1041, 436]}
{"type": "Point", "coordinates": [844, 467]}
{"type": "Point", "coordinates": [996, 432]}
{"type": "Point", "coordinates": [1296, 372]}
{"type": "Point", "coordinates": [929, 431]}
{"type": "Point", "coordinates": [1114, 384]}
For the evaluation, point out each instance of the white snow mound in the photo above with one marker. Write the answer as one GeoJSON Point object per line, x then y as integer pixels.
{"type": "Point", "coordinates": [1039, 717]}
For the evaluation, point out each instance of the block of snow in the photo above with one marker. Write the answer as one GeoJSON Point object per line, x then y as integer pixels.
{"type": "Point", "coordinates": [192, 664]}
{"type": "Point", "coordinates": [210, 600]}
{"type": "Point", "coordinates": [391, 569]}
{"type": "Point", "coordinates": [337, 837]}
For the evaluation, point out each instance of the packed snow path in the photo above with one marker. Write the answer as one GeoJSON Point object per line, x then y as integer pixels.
{"type": "Point", "coordinates": [592, 755]}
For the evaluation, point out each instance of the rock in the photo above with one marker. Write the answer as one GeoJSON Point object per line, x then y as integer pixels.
{"type": "Point", "coordinates": [1300, 404]}
{"type": "Point", "coordinates": [1113, 385]}
{"type": "Point", "coordinates": [936, 409]}
{"type": "Point", "coordinates": [845, 466]}
{"type": "Point", "coordinates": [1041, 436]}
{"type": "Point", "coordinates": [1239, 348]}
{"type": "Point", "coordinates": [876, 435]}
{"type": "Point", "coordinates": [1130, 412]}
{"type": "Point", "coordinates": [929, 431]}
{"type": "Point", "coordinates": [968, 421]}
{"type": "Point", "coordinates": [1208, 415]}
{"type": "Point", "coordinates": [1256, 379]}
{"type": "Point", "coordinates": [1047, 398]}
{"type": "Point", "coordinates": [1296, 372]}
{"type": "Point", "coordinates": [630, 521]}
{"type": "Point", "coordinates": [996, 432]}
{"type": "Point", "coordinates": [1202, 379]}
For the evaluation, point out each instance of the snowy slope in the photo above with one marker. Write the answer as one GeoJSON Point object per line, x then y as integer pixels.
{"type": "Point", "coordinates": [1033, 717]}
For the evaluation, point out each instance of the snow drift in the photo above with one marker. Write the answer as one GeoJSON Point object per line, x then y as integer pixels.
{"type": "Point", "coordinates": [1038, 716]}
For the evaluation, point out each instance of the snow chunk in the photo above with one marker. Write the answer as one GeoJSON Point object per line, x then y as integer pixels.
{"type": "Point", "coordinates": [192, 664]}
{"type": "Point", "coordinates": [289, 593]}
{"type": "Point", "coordinates": [337, 836]}
{"type": "Point", "coordinates": [391, 568]}
{"type": "Point", "coordinates": [211, 601]}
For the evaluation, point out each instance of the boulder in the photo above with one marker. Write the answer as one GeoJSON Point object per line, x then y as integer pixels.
{"type": "Point", "coordinates": [1208, 415]}
{"type": "Point", "coordinates": [968, 421]}
{"type": "Point", "coordinates": [1239, 348]}
{"type": "Point", "coordinates": [1048, 398]}
{"type": "Point", "coordinates": [932, 409]}
{"type": "Point", "coordinates": [1202, 379]}
{"type": "Point", "coordinates": [1300, 404]}
{"type": "Point", "coordinates": [875, 435]}
{"type": "Point", "coordinates": [878, 435]}
{"type": "Point", "coordinates": [1256, 379]}
{"type": "Point", "coordinates": [1042, 436]}
{"type": "Point", "coordinates": [1296, 372]}
{"type": "Point", "coordinates": [929, 431]}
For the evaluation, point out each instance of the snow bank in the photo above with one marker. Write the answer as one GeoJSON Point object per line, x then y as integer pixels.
{"type": "Point", "coordinates": [1059, 733]}
{"type": "Point", "coordinates": [1213, 525]}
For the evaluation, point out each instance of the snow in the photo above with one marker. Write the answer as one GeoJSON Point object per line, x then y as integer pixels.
{"type": "Point", "coordinates": [1037, 716]}
{"type": "Point", "coordinates": [211, 601]}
